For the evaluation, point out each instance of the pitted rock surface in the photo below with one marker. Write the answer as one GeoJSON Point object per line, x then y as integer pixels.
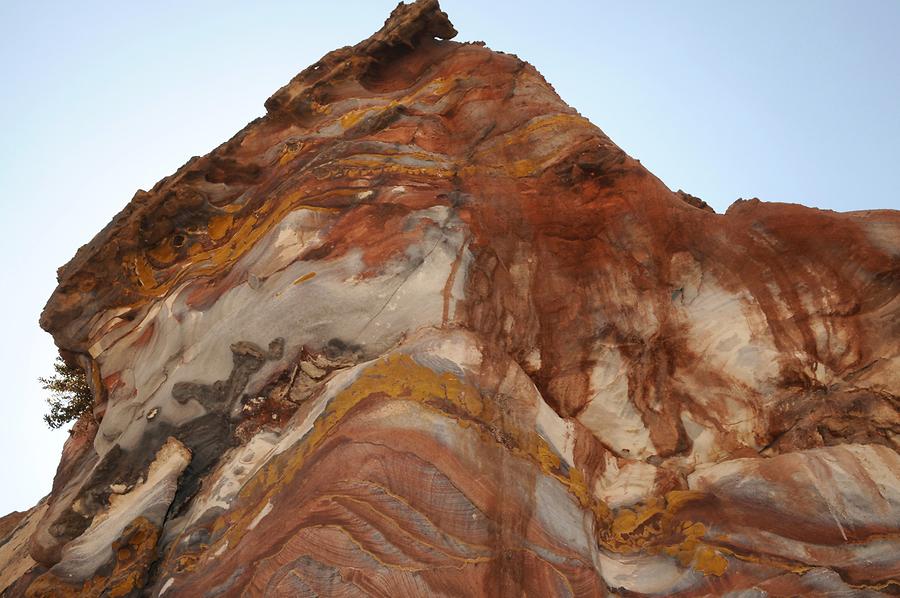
{"type": "Point", "coordinates": [422, 329]}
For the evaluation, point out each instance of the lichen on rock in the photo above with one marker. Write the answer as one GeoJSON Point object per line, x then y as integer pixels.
{"type": "Point", "coordinates": [423, 329]}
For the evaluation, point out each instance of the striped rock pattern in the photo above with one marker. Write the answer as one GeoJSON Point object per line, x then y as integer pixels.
{"type": "Point", "coordinates": [422, 329]}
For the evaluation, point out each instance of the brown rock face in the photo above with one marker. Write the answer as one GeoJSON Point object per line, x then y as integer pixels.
{"type": "Point", "coordinates": [424, 330]}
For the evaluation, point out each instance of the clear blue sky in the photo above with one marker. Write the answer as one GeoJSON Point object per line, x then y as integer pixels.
{"type": "Point", "coordinates": [784, 100]}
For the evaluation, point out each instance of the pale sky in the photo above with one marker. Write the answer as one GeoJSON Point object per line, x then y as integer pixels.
{"type": "Point", "coordinates": [782, 100]}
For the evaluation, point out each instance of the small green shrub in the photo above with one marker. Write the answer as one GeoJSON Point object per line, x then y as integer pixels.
{"type": "Point", "coordinates": [71, 395]}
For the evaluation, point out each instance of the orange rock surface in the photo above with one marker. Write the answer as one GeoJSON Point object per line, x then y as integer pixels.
{"type": "Point", "coordinates": [422, 329]}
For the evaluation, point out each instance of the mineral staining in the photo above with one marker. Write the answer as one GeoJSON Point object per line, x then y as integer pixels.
{"type": "Point", "coordinates": [424, 330]}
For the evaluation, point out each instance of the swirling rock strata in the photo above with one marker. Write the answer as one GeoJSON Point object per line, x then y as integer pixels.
{"type": "Point", "coordinates": [423, 329]}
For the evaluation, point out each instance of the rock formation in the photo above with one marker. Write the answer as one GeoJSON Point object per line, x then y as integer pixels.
{"type": "Point", "coordinates": [422, 329]}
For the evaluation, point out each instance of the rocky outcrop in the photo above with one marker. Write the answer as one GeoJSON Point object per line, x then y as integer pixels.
{"type": "Point", "coordinates": [423, 329]}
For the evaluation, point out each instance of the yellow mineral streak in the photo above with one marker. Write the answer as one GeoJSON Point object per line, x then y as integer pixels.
{"type": "Point", "coordinates": [134, 552]}
{"type": "Point", "coordinates": [523, 168]}
{"type": "Point", "coordinates": [164, 253]}
{"type": "Point", "coordinates": [522, 135]}
{"type": "Point", "coordinates": [352, 118]}
{"type": "Point", "coordinates": [397, 377]}
{"type": "Point", "coordinates": [142, 270]}
{"type": "Point", "coordinates": [304, 278]}
{"type": "Point", "coordinates": [654, 529]}
{"type": "Point", "coordinates": [244, 231]}
{"type": "Point", "coordinates": [289, 152]}
{"type": "Point", "coordinates": [353, 168]}
{"type": "Point", "coordinates": [205, 262]}
{"type": "Point", "coordinates": [439, 86]}
{"type": "Point", "coordinates": [219, 225]}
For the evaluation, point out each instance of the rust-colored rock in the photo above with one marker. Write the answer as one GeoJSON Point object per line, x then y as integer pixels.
{"type": "Point", "coordinates": [424, 330]}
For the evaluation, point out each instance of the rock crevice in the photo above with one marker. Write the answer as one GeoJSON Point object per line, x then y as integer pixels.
{"type": "Point", "coordinates": [422, 329]}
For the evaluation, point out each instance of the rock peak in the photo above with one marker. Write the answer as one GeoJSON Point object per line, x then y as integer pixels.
{"type": "Point", "coordinates": [422, 17]}
{"type": "Point", "coordinates": [407, 27]}
{"type": "Point", "coordinates": [424, 329]}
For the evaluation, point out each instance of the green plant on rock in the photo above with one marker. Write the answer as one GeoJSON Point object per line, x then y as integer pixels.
{"type": "Point", "coordinates": [71, 396]}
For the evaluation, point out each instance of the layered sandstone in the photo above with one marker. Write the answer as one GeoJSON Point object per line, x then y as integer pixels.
{"type": "Point", "coordinates": [422, 329]}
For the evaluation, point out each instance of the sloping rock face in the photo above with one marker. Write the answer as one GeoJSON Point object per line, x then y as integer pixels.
{"type": "Point", "coordinates": [424, 330]}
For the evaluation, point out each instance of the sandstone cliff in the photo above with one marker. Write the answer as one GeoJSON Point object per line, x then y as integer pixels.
{"type": "Point", "coordinates": [422, 329]}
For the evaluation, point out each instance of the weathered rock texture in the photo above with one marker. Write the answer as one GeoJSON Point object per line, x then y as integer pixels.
{"type": "Point", "coordinates": [424, 330]}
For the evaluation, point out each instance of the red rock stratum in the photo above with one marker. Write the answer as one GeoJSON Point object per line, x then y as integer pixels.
{"type": "Point", "coordinates": [424, 330]}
